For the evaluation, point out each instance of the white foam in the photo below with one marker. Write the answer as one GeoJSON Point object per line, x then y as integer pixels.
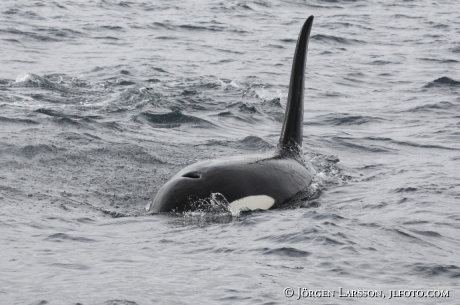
{"type": "Point", "coordinates": [23, 77]}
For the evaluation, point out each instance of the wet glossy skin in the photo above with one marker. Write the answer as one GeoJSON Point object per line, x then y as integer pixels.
{"type": "Point", "coordinates": [236, 177]}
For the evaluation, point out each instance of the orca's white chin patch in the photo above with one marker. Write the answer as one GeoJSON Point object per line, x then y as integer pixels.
{"type": "Point", "coordinates": [260, 202]}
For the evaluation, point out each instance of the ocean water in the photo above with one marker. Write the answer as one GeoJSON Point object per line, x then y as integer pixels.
{"type": "Point", "coordinates": [101, 102]}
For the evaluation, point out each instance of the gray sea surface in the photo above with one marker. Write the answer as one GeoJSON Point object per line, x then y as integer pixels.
{"type": "Point", "coordinates": [101, 102]}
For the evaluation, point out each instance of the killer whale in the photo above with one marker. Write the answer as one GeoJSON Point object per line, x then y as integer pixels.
{"type": "Point", "coordinates": [250, 182]}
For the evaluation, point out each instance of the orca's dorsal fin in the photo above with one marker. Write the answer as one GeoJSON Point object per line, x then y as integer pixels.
{"type": "Point", "coordinates": [293, 121]}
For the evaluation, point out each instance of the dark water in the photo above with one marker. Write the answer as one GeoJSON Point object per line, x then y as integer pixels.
{"type": "Point", "coordinates": [101, 102]}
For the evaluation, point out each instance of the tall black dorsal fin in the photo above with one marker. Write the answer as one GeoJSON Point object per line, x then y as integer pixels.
{"type": "Point", "coordinates": [293, 120]}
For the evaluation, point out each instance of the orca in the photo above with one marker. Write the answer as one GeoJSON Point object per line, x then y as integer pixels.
{"type": "Point", "coordinates": [255, 182]}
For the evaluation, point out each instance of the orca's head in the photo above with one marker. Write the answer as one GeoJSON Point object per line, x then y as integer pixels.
{"type": "Point", "coordinates": [183, 191]}
{"type": "Point", "coordinates": [228, 182]}
{"type": "Point", "coordinates": [194, 185]}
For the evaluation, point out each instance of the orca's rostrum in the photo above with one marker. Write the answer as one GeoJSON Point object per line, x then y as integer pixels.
{"type": "Point", "coordinates": [250, 182]}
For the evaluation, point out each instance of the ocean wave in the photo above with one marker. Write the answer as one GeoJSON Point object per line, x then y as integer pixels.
{"type": "Point", "coordinates": [447, 106]}
{"type": "Point", "coordinates": [60, 237]}
{"type": "Point", "coordinates": [337, 40]}
{"type": "Point", "coordinates": [30, 151]}
{"type": "Point", "coordinates": [32, 80]}
{"type": "Point", "coordinates": [172, 120]}
{"type": "Point", "coordinates": [247, 143]}
{"type": "Point", "coordinates": [285, 252]}
{"type": "Point", "coordinates": [6, 120]}
{"type": "Point", "coordinates": [431, 270]}
{"type": "Point", "coordinates": [345, 119]}
{"type": "Point", "coordinates": [443, 82]}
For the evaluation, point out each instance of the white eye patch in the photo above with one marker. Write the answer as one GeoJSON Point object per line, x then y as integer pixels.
{"type": "Point", "coordinates": [260, 202]}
